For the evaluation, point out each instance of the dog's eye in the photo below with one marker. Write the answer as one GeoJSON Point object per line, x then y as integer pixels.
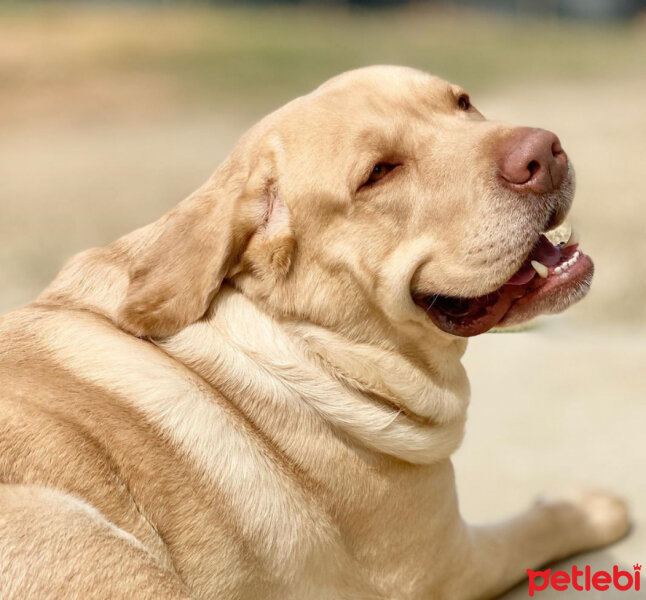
{"type": "Point", "coordinates": [379, 171]}
{"type": "Point", "coordinates": [463, 102]}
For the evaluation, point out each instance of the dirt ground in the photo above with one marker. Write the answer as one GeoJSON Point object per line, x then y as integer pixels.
{"type": "Point", "coordinates": [561, 404]}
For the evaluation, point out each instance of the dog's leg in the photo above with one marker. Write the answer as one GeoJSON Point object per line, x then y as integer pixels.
{"type": "Point", "coordinates": [550, 530]}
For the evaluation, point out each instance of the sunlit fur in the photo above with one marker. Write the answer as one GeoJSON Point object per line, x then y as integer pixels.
{"type": "Point", "coordinates": [241, 400]}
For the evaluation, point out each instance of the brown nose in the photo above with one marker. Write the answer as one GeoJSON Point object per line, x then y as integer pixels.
{"type": "Point", "coordinates": [532, 160]}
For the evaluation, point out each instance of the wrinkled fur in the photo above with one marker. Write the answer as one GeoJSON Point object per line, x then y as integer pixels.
{"type": "Point", "coordinates": [242, 401]}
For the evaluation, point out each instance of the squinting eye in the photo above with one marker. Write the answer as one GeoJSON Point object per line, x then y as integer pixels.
{"type": "Point", "coordinates": [379, 171]}
{"type": "Point", "coordinates": [463, 102]}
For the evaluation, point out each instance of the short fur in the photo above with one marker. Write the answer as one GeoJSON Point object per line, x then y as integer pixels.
{"type": "Point", "coordinates": [242, 401]}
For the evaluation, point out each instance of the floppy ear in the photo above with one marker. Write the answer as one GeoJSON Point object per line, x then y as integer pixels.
{"type": "Point", "coordinates": [269, 252]}
{"type": "Point", "coordinates": [179, 265]}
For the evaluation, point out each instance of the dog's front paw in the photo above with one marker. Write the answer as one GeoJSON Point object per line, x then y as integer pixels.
{"type": "Point", "coordinates": [596, 518]}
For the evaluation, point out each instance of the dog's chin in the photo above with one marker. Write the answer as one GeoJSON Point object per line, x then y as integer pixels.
{"type": "Point", "coordinates": [551, 278]}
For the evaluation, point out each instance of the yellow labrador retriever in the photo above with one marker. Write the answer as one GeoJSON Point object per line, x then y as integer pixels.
{"type": "Point", "coordinates": [257, 396]}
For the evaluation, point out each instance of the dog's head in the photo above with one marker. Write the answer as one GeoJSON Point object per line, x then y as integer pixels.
{"type": "Point", "coordinates": [381, 201]}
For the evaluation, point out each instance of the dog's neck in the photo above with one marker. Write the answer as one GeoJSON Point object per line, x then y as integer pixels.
{"type": "Point", "coordinates": [300, 373]}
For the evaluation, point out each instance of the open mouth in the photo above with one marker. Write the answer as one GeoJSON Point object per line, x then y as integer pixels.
{"type": "Point", "coordinates": [550, 279]}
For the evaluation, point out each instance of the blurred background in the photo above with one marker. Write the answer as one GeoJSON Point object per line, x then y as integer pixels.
{"type": "Point", "coordinates": [110, 113]}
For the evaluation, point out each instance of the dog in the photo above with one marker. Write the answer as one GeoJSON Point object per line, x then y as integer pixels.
{"type": "Point", "coordinates": [258, 395]}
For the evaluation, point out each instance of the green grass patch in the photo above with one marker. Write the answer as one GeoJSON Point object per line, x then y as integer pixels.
{"type": "Point", "coordinates": [217, 53]}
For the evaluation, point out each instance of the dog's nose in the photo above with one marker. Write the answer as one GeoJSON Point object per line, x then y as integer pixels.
{"type": "Point", "coordinates": [532, 160]}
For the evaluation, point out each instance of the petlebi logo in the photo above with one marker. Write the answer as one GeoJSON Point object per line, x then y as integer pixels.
{"type": "Point", "coordinates": [585, 579]}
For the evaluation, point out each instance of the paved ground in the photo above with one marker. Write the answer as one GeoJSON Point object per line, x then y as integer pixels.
{"type": "Point", "coordinates": [555, 407]}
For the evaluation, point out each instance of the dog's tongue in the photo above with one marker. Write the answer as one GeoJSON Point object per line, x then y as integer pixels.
{"type": "Point", "coordinates": [472, 316]}
{"type": "Point", "coordinates": [553, 254]}
{"type": "Point", "coordinates": [543, 252]}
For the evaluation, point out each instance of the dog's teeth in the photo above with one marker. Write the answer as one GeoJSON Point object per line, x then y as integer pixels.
{"type": "Point", "coordinates": [559, 235]}
{"type": "Point", "coordinates": [540, 268]}
{"type": "Point", "coordinates": [558, 270]}
{"type": "Point", "coordinates": [573, 239]}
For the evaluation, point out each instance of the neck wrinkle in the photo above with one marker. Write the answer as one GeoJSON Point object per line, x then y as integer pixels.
{"type": "Point", "coordinates": [428, 392]}
{"type": "Point", "coordinates": [241, 350]}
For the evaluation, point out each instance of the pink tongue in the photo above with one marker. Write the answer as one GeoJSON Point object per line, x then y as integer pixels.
{"type": "Point", "coordinates": [524, 275]}
{"type": "Point", "coordinates": [544, 252]}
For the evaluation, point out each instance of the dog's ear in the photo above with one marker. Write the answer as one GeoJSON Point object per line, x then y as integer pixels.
{"type": "Point", "coordinates": [268, 255]}
{"type": "Point", "coordinates": [179, 263]}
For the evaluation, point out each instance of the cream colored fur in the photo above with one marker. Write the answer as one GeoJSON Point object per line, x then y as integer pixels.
{"type": "Point", "coordinates": [241, 400]}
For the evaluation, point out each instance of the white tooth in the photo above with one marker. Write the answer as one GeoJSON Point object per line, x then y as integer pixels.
{"type": "Point", "coordinates": [540, 268]}
{"type": "Point", "coordinates": [560, 234]}
{"type": "Point", "coordinates": [558, 270]}
{"type": "Point", "coordinates": [571, 262]}
{"type": "Point", "coordinates": [573, 239]}
{"type": "Point", "coordinates": [576, 255]}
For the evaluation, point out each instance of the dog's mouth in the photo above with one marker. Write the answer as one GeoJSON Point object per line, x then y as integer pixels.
{"type": "Point", "coordinates": [550, 279]}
